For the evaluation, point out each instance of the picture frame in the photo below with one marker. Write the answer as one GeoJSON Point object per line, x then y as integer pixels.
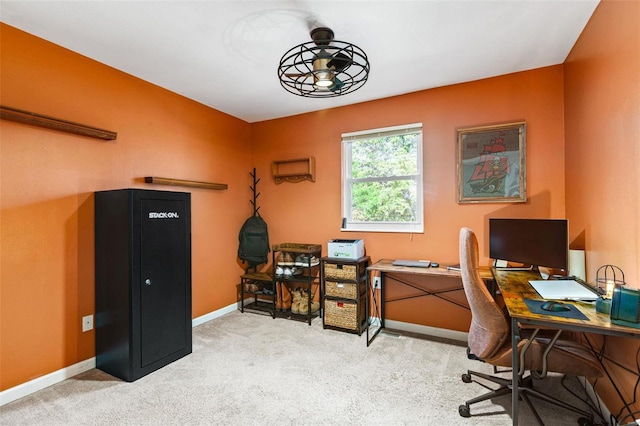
{"type": "Point", "coordinates": [491, 163]}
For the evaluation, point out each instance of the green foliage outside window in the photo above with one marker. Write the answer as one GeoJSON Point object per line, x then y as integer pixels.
{"type": "Point", "coordinates": [383, 172]}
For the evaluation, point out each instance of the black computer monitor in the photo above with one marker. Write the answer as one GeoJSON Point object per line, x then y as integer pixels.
{"type": "Point", "coordinates": [535, 242]}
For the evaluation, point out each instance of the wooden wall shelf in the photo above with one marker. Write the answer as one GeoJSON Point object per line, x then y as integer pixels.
{"type": "Point", "coordinates": [190, 183]}
{"type": "Point", "coordinates": [295, 170]}
{"type": "Point", "coordinates": [26, 117]}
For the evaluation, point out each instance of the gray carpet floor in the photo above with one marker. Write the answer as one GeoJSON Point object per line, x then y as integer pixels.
{"type": "Point", "coordinates": [249, 369]}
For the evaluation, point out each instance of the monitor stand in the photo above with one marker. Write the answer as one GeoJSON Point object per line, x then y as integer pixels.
{"type": "Point", "coordinates": [516, 268]}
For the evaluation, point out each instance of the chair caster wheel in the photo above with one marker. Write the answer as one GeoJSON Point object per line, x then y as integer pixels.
{"type": "Point", "coordinates": [464, 411]}
{"type": "Point", "coordinates": [466, 377]}
{"type": "Point", "coordinates": [585, 421]}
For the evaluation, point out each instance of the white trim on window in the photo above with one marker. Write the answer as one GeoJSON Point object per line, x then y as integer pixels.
{"type": "Point", "coordinates": [369, 226]}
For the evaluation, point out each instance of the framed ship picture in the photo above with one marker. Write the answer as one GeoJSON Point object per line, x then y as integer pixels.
{"type": "Point", "coordinates": [491, 163]}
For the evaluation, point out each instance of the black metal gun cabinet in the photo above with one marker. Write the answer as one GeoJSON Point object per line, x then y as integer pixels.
{"type": "Point", "coordinates": [143, 280]}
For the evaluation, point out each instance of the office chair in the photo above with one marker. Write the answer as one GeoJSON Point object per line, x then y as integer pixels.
{"type": "Point", "coordinates": [490, 341]}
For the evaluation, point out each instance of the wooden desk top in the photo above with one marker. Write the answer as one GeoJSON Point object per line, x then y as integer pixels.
{"type": "Point", "coordinates": [515, 287]}
{"type": "Point", "coordinates": [386, 265]}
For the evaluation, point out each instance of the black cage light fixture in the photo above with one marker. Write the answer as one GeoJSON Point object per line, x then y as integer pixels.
{"type": "Point", "coordinates": [324, 67]}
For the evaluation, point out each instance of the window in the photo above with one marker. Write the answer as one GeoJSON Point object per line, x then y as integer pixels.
{"type": "Point", "coordinates": [382, 180]}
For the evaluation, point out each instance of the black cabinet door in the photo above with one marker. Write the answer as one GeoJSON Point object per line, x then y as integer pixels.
{"type": "Point", "coordinates": [143, 280]}
{"type": "Point", "coordinates": [163, 279]}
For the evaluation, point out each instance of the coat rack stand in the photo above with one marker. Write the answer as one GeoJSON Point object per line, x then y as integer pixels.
{"type": "Point", "coordinates": [256, 208]}
{"type": "Point", "coordinates": [253, 189]}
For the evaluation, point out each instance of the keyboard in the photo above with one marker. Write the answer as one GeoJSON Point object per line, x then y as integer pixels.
{"type": "Point", "coordinates": [412, 263]}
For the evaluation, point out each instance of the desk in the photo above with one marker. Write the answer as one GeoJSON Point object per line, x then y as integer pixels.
{"type": "Point", "coordinates": [515, 287]}
{"type": "Point", "coordinates": [385, 267]}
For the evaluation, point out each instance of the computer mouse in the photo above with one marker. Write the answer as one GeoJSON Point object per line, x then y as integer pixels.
{"type": "Point", "coordinates": [434, 264]}
{"type": "Point", "coordinates": [554, 307]}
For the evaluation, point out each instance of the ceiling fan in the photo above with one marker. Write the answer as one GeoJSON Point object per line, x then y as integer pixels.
{"type": "Point", "coordinates": [323, 67]}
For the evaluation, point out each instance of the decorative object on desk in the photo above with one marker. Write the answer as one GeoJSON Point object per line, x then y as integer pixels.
{"type": "Point", "coordinates": [607, 278]}
{"type": "Point", "coordinates": [625, 307]}
{"type": "Point", "coordinates": [491, 163]}
{"type": "Point", "coordinates": [603, 305]}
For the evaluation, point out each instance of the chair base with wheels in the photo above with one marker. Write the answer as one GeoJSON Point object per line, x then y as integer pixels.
{"type": "Point", "coordinates": [525, 389]}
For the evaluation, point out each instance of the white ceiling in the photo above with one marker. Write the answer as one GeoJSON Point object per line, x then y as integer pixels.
{"type": "Point", "coordinates": [224, 54]}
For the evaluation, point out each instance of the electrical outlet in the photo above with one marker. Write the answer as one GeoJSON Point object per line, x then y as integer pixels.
{"type": "Point", "coordinates": [376, 283]}
{"type": "Point", "coordinates": [87, 323]}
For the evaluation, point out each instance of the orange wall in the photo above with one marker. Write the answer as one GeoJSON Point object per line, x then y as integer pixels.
{"type": "Point", "coordinates": [602, 95]}
{"type": "Point", "coordinates": [602, 123]}
{"type": "Point", "coordinates": [310, 212]}
{"type": "Point", "coordinates": [47, 185]}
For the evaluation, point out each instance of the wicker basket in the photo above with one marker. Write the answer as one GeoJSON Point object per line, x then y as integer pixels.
{"type": "Point", "coordinates": [343, 314]}
{"type": "Point", "coordinates": [342, 272]}
{"type": "Point", "coordinates": [344, 290]}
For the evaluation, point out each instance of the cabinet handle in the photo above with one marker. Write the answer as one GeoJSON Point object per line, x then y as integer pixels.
{"type": "Point", "coordinates": [147, 281]}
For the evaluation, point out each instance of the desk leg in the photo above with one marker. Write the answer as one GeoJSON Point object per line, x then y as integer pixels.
{"type": "Point", "coordinates": [515, 376]}
{"type": "Point", "coordinates": [382, 298]}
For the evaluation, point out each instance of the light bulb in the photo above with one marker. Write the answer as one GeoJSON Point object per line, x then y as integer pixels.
{"type": "Point", "coordinates": [610, 286]}
{"type": "Point", "coordinates": [322, 73]}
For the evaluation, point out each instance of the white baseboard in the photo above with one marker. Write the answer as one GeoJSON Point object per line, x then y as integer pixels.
{"type": "Point", "coordinates": [427, 330]}
{"type": "Point", "coordinates": [45, 381]}
{"type": "Point", "coordinates": [63, 374]}
{"type": "Point", "coordinates": [213, 315]}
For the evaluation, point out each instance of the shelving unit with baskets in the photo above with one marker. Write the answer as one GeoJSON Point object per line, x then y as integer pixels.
{"type": "Point", "coordinates": [344, 284]}
{"type": "Point", "coordinates": [305, 258]}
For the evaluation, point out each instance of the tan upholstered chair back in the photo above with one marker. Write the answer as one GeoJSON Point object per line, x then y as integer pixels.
{"type": "Point", "coordinates": [489, 327]}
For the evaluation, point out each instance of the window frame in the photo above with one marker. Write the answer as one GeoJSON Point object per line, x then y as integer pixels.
{"type": "Point", "coordinates": [347, 181]}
